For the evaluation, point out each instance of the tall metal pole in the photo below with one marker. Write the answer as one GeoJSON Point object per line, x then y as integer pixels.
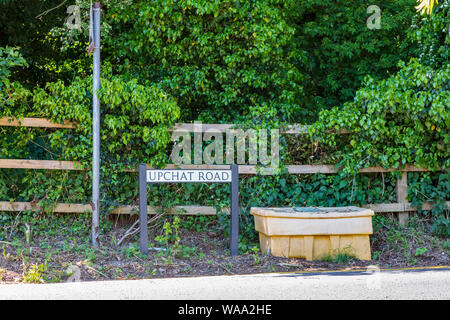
{"type": "Point", "coordinates": [143, 228]}
{"type": "Point", "coordinates": [96, 127]}
{"type": "Point", "coordinates": [234, 216]}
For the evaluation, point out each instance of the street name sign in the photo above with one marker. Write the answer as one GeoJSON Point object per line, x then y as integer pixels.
{"type": "Point", "coordinates": [173, 176]}
{"type": "Point", "coordinates": [151, 176]}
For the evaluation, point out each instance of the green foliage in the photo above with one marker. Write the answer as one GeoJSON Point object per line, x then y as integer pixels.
{"type": "Point", "coordinates": [222, 60]}
{"type": "Point", "coordinates": [27, 24]}
{"type": "Point", "coordinates": [263, 63]}
{"type": "Point", "coordinates": [339, 50]}
{"type": "Point", "coordinates": [197, 223]}
{"type": "Point", "coordinates": [9, 58]}
{"type": "Point", "coordinates": [435, 188]}
{"type": "Point", "coordinates": [11, 92]}
{"type": "Point", "coordinates": [401, 120]}
{"type": "Point", "coordinates": [411, 243]}
{"type": "Point", "coordinates": [134, 129]}
{"type": "Point", "coordinates": [431, 32]}
{"type": "Point", "coordinates": [133, 115]}
{"type": "Point", "coordinates": [394, 122]}
{"type": "Point", "coordinates": [345, 255]}
{"type": "Point", "coordinates": [34, 274]}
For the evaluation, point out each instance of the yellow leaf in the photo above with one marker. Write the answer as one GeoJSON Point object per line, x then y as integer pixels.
{"type": "Point", "coordinates": [425, 6]}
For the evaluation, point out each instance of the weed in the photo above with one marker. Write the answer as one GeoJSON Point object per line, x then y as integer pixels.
{"type": "Point", "coordinates": [201, 255]}
{"type": "Point", "coordinates": [187, 269]}
{"type": "Point", "coordinates": [185, 251]}
{"type": "Point", "coordinates": [171, 239]}
{"type": "Point", "coordinates": [91, 255]}
{"type": "Point", "coordinates": [34, 274]}
{"type": "Point", "coordinates": [341, 256]}
{"type": "Point", "coordinates": [198, 223]}
{"type": "Point", "coordinates": [255, 254]}
{"type": "Point", "coordinates": [117, 272]}
{"type": "Point", "coordinates": [132, 251]}
{"type": "Point", "coordinates": [408, 244]}
{"type": "Point", "coordinates": [421, 251]}
{"type": "Point", "coordinates": [151, 272]}
{"type": "Point", "coordinates": [376, 255]}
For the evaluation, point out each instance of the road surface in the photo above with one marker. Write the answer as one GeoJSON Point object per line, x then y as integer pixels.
{"type": "Point", "coordinates": [433, 283]}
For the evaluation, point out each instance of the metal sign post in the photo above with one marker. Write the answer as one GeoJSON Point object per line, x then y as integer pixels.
{"type": "Point", "coordinates": [185, 176]}
{"type": "Point", "coordinates": [96, 127]}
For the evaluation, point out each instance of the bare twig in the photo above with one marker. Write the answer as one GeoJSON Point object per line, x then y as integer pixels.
{"type": "Point", "coordinates": [14, 225]}
{"type": "Point", "coordinates": [225, 268]}
{"type": "Point", "coordinates": [133, 229]}
{"type": "Point", "coordinates": [129, 232]}
{"type": "Point", "coordinates": [95, 270]}
{"type": "Point", "coordinates": [44, 148]}
{"type": "Point", "coordinates": [39, 16]}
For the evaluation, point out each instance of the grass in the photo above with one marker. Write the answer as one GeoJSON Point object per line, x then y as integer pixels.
{"type": "Point", "coordinates": [410, 243]}
{"type": "Point", "coordinates": [343, 256]}
{"type": "Point", "coordinates": [41, 248]}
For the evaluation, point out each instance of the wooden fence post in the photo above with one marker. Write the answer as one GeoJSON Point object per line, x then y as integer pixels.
{"type": "Point", "coordinates": [402, 194]}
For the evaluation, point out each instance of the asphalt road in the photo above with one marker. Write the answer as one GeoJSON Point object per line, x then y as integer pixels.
{"type": "Point", "coordinates": [365, 285]}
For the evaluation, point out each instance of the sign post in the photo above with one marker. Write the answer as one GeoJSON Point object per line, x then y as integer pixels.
{"type": "Point", "coordinates": [152, 176]}
{"type": "Point", "coordinates": [96, 127]}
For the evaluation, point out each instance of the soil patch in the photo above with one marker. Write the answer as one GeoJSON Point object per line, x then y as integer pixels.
{"type": "Point", "coordinates": [66, 254]}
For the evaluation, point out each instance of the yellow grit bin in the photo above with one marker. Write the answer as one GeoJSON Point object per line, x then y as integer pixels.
{"type": "Point", "coordinates": [314, 233]}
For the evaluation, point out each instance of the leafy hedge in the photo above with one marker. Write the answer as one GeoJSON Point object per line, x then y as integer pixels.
{"type": "Point", "coordinates": [135, 122]}
{"type": "Point", "coordinates": [263, 63]}
{"type": "Point", "coordinates": [401, 120]}
{"type": "Point", "coordinates": [338, 49]}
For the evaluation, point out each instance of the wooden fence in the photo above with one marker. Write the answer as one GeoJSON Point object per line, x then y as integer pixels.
{"type": "Point", "coordinates": [403, 207]}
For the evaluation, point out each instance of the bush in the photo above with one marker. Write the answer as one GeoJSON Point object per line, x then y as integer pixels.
{"type": "Point", "coordinates": [340, 50]}
{"type": "Point", "coordinates": [135, 122]}
{"type": "Point", "coordinates": [394, 122]}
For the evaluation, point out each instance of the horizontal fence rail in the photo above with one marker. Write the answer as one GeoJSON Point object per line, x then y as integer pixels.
{"type": "Point", "coordinates": [402, 207]}
{"type": "Point", "coordinates": [182, 210]}
{"type": "Point", "coordinates": [45, 123]}
{"type": "Point", "coordinates": [35, 122]}
{"type": "Point", "coordinates": [243, 169]}
{"type": "Point", "coordinates": [39, 164]}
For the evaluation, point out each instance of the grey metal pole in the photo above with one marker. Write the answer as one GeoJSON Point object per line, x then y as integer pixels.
{"type": "Point", "coordinates": [96, 128]}
{"type": "Point", "coordinates": [234, 223]}
{"type": "Point", "coordinates": [143, 231]}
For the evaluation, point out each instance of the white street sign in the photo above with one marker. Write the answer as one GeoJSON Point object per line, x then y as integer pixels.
{"type": "Point", "coordinates": [155, 176]}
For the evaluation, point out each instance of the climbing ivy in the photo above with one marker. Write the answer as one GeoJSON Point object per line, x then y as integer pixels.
{"type": "Point", "coordinates": [134, 129]}
{"type": "Point", "coordinates": [401, 120]}
{"type": "Point", "coordinates": [338, 49]}
{"type": "Point", "coordinates": [12, 93]}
